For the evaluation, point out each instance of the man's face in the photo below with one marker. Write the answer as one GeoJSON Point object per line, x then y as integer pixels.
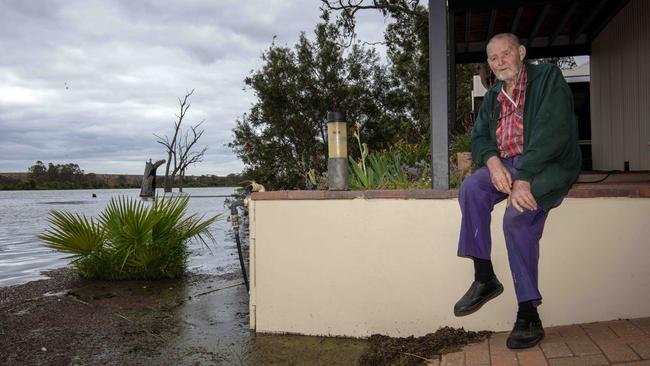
{"type": "Point", "coordinates": [505, 59]}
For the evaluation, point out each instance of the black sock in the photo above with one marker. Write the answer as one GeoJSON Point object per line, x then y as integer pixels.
{"type": "Point", "coordinates": [483, 271]}
{"type": "Point", "coordinates": [527, 311]}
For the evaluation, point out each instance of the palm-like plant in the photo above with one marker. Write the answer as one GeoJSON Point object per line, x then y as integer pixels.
{"type": "Point", "coordinates": [130, 240]}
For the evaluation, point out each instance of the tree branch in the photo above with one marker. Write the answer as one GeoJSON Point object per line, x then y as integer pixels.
{"type": "Point", "coordinates": [350, 7]}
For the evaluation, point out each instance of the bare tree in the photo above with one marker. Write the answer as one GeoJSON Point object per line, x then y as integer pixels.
{"type": "Point", "coordinates": [179, 147]}
{"type": "Point", "coordinates": [186, 156]}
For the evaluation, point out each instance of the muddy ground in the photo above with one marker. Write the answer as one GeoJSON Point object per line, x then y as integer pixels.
{"type": "Point", "coordinates": [195, 320]}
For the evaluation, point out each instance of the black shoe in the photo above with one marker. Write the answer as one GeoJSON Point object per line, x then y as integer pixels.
{"type": "Point", "coordinates": [525, 334]}
{"type": "Point", "coordinates": [477, 295]}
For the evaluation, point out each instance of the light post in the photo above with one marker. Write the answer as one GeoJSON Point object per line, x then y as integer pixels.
{"type": "Point", "coordinates": [337, 147]}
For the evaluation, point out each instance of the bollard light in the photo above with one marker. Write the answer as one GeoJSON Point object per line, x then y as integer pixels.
{"type": "Point", "coordinates": [337, 147]}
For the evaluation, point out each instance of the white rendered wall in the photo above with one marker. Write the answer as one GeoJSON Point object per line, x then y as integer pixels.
{"type": "Point", "coordinates": [364, 266]}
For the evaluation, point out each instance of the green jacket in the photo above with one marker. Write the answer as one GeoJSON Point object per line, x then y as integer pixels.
{"type": "Point", "coordinates": [551, 160]}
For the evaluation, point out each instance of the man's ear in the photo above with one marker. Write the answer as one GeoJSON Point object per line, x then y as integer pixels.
{"type": "Point", "coordinates": [522, 52]}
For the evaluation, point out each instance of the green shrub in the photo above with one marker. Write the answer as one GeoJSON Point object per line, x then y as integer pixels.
{"type": "Point", "coordinates": [461, 142]}
{"type": "Point", "coordinates": [412, 154]}
{"type": "Point", "coordinates": [373, 171]}
{"type": "Point", "coordinates": [386, 170]}
{"type": "Point", "coordinates": [403, 166]}
{"type": "Point", "coordinates": [130, 239]}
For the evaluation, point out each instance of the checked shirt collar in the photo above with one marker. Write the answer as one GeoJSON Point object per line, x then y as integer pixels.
{"type": "Point", "coordinates": [510, 128]}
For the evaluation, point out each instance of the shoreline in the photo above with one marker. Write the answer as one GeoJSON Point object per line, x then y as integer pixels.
{"type": "Point", "coordinates": [69, 320]}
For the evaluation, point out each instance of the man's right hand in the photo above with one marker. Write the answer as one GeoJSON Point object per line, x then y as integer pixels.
{"type": "Point", "coordinates": [499, 174]}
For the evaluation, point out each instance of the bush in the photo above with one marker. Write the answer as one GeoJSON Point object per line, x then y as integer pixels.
{"type": "Point", "coordinates": [401, 167]}
{"type": "Point", "coordinates": [461, 142]}
{"type": "Point", "coordinates": [413, 154]}
{"type": "Point", "coordinates": [129, 240]}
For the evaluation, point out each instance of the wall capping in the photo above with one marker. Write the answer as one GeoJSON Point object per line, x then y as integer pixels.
{"type": "Point", "coordinates": [587, 190]}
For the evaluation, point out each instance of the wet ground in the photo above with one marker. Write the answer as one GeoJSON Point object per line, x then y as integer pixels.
{"type": "Point", "coordinates": [197, 320]}
{"type": "Point", "coordinates": [201, 319]}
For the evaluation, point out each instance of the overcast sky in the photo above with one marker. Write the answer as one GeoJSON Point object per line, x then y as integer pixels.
{"type": "Point", "coordinates": [90, 82]}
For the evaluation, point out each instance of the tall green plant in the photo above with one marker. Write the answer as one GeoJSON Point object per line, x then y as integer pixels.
{"type": "Point", "coordinates": [129, 240]}
{"type": "Point", "coordinates": [386, 169]}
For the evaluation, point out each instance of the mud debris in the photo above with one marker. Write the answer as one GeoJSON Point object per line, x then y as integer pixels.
{"type": "Point", "coordinates": [383, 350]}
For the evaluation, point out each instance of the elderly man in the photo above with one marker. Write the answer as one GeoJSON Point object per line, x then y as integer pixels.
{"type": "Point", "coordinates": [526, 146]}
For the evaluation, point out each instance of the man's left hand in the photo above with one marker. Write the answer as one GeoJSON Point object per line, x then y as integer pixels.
{"type": "Point", "coordinates": [521, 197]}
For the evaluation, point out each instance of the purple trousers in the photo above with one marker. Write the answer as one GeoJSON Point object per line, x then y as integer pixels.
{"type": "Point", "coordinates": [522, 230]}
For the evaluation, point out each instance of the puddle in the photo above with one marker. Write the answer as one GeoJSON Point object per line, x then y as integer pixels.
{"type": "Point", "coordinates": [302, 350]}
{"type": "Point", "coordinates": [211, 326]}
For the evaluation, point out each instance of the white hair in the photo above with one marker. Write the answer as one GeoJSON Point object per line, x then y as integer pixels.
{"type": "Point", "coordinates": [513, 39]}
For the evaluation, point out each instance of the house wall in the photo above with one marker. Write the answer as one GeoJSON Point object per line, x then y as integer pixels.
{"type": "Point", "coordinates": [620, 90]}
{"type": "Point", "coordinates": [355, 267]}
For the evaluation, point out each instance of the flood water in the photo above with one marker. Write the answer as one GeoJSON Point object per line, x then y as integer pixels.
{"type": "Point", "coordinates": [23, 215]}
{"type": "Point", "coordinates": [211, 322]}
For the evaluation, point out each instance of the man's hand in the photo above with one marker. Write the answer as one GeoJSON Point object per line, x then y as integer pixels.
{"type": "Point", "coordinates": [521, 198]}
{"type": "Point", "coordinates": [499, 174]}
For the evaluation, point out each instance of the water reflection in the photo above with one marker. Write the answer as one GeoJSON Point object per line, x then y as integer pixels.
{"type": "Point", "coordinates": [210, 325]}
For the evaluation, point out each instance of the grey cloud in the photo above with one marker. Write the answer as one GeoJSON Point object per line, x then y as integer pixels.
{"type": "Point", "coordinates": [91, 81]}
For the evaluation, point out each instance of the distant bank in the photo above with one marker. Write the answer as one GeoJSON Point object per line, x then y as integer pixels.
{"type": "Point", "coordinates": [28, 180]}
{"type": "Point", "coordinates": [112, 179]}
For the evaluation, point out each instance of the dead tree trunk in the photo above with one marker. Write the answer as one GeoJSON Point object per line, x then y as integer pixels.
{"type": "Point", "coordinates": [170, 144]}
{"type": "Point", "coordinates": [181, 176]}
{"type": "Point", "coordinates": [148, 187]}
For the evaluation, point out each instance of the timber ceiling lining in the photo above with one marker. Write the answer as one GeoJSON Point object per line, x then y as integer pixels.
{"type": "Point", "coordinates": [549, 28]}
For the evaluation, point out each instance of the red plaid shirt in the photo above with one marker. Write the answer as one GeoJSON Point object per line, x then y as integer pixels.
{"type": "Point", "coordinates": [510, 127]}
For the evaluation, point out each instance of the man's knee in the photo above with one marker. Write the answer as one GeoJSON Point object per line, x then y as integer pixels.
{"type": "Point", "coordinates": [469, 185]}
{"type": "Point", "coordinates": [528, 221]}
{"type": "Point", "coordinates": [475, 182]}
{"type": "Point", "coordinates": [514, 219]}
{"type": "Point", "coordinates": [512, 216]}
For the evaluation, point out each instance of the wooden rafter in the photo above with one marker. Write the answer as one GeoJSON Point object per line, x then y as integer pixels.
{"type": "Point", "coordinates": [592, 14]}
{"type": "Point", "coordinates": [562, 23]}
{"type": "Point", "coordinates": [493, 19]}
{"type": "Point", "coordinates": [538, 24]}
{"type": "Point", "coordinates": [606, 19]}
{"type": "Point", "coordinates": [468, 19]}
{"type": "Point", "coordinates": [515, 20]}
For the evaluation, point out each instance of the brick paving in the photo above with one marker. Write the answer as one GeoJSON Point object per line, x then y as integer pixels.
{"type": "Point", "coordinates": [617, 342]}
